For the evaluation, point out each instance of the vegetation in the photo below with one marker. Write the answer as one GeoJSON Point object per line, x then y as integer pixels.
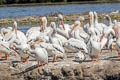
{"type": "Point", "coordinates": [42, 1]}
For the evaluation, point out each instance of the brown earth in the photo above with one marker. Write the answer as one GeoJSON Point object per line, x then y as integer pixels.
{"type": "Point", "coordinates": [36, 20]}
{"type": "Point", "coordinates": [107, 69]}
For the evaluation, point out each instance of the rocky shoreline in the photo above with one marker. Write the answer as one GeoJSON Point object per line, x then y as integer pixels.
{"type": "Point", "coordinates": [36, 20]}
{"type": "Point", "coordinates": [107, 69]}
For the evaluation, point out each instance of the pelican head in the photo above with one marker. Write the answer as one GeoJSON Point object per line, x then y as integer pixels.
{"type": "Point", "coordinates": [44, 23]}
{"type": "Point", "coordinates": [53, 25]}
{"type": "Point", "coordinates": [107, 17]}
{"type": "Point", "coordinates": [60, 16]}
{"type": "Point", "coordinates": [91, 15]}
{"type": "Point", "coordinates": [96, 17]}
{"type": "Point", "coordinates": [62, 20]}
{"type": "Point", "coordinates": [95, 13]}
{"type": "Point", "coordinates": [15, 23]}
{"type": "Point", "coordinates": [81, 19]}
{"type": "Point", "coordinates": [76, 24]}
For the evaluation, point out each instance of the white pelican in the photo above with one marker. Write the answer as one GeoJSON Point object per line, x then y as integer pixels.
{"type": "Point", "coordinates": [116, 23]}
{"type": "Point", "coordinates": [4, 49]}
{"type": "Point", "coordinates": [54, 50]}
{"type": "Point", "coordinates": [38, 36]}
{"type": "Point", "coordinates": [40, 54]}
{"type": "Point", "coordinates": [111, 25]}
{"type": "Point", "coordinates": [91, 30]}
{"type": "Point", "coordinates": [77, 32]}
{"type": "Point", "coordinates": [63, 26]}
{"type": "Point", "coordinates": [117, 45]}
{"type": "Point", "coordinates": [99, 26]}
{"type": "Point", "coordinates": [20, 48]}
{"type": "Point", "coordinates": [94, 48]}
{"type": "Point", "coordinates": [75, 45]}
{"type": "Point", "coordinates": [56, 38]}
{"type": "Point", "coordinates": [95, 42]}
{"type": "Point", "coordinates": [45, 36]}
{"type": "Point", "coordinates": [108, 32]}
{"type": "Point", "coordinates": [54, 47]}
{"type": "Point", "coordinates": [11, 35]}
{"type": "Point", "coordinates": [41, 29]}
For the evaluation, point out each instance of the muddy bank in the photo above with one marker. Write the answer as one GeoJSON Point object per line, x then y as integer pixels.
{"type": "Point", "coordinates": [36, 20]}
{"type": "Point", "coordinates": [107, 69]}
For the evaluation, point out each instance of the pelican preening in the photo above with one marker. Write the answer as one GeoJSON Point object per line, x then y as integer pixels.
{"type": "Point", "coordinates": [55, 40]}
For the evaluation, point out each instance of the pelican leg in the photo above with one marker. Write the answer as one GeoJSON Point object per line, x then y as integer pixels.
{"type": "Point", "coordinates": [6, 57]}
{"type": "Point", "coordinates": [93, 61]}
{"type": "Point", "coordinates": [0, 55]}
{"type": "Point", "coordinates": [98, 60]}
{"type": "Point", "coordinates": [113, 47]}
{"type": "Point", "coordinates": [57, 58]}
{"type": "Point", "coordinates": [25, 60]}
{"type": "Point", "coordinates": [39, 65]}
{"type": "Point", "coordinates": [118, 55]}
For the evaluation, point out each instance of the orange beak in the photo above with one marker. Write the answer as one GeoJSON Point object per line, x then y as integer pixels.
{"type": "Point", "coordinates": [15, 27]}
{"type": "Point", "coordinates": [90, 20]}
{"type": "Point", "coordinates": [62, 22]}
{"type": "Point", "coordinates": [81, 21]}
{"type": "Point", "coordinates": [43, 26]}
{"type": "Point", "coordinates": [37, 42]}
{"type": "Point", "coordinates": [116, 32]}
{"type": "Point", "coordinates": [75, 25]}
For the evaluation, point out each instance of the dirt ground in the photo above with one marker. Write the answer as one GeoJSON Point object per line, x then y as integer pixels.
{"type": "Point", "coordinates": [107, 69]}
{"type": "Point", "coordinates": [36, 20]}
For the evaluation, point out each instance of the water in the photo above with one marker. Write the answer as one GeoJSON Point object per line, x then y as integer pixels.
{"type": "Point", "coordinates": [11, 12]}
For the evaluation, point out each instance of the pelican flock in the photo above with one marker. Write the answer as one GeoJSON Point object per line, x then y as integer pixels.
{"type": "Point", "coordinates": [58, 39]}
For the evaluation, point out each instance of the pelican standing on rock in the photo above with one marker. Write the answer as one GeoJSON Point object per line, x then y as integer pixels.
{"type": "Point", "coordinates": [20, 48]}
{"type": "Point", "coordinates": [4, 49]}
{"type": "Point", "coordinates": [94, 44]}
{"type": "Point", "coordinates": [40, 54]}
{"type": "Point", "coordinates": [117, 45]}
